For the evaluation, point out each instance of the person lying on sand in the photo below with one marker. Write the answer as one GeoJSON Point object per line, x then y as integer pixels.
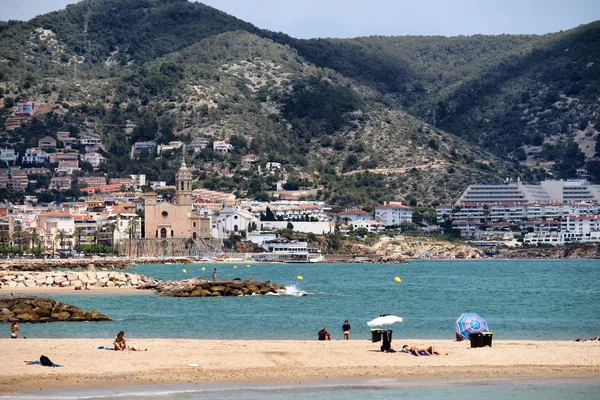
{"type": "Point", "coordinates": [134, 347]}
{"type": "Point", "coordinates": [419, 351]}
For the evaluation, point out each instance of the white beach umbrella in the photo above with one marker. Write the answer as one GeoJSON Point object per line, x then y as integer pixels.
{"type": "Point", "coordinates": [384, 320]}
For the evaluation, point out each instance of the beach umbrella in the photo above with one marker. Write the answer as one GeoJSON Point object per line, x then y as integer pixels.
{"type": "Point", "coordinates": [384, 320]}
{"type": "Point", "coordinates": [470, 323]}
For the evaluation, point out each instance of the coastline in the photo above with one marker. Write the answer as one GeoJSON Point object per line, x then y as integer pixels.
{"type": "Point", "coordinates": [259, 361]}
{"type": "Point", "coordinates": [31, 291]}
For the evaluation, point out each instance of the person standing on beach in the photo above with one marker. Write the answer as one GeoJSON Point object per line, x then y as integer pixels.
{"type": "Point", "coordinates": [214, 276]}
{"type": "Point", "coordinates": [14, 330]}
{"type": "Point", "coordinates": [346, 329]}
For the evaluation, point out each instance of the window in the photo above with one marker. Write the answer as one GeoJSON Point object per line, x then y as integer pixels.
{"type": "Point", "coordinates": [194, 235]}
{"type": "Point", "coordinates": [165, 214]}
{"type": "Point", "coordinates": [163, 232]}
{"type": "Point", "coordinates": [194, 224]}
{"type": "Point", "coordinates": [171, 232]}
{"type": "Point", "coordinates": [182, 183]}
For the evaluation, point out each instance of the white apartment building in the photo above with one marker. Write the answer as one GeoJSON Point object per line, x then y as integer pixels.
{"type": "Point", "coordinates": [94, 158]}
{"type": "Point", "coordinates": [493, 192]}
{"type": "Point", "coordinates": [572, 190]}
{"type": "Point", "coordinates": [220, 146]}
{"type": "Point", "coordinates": [8, 156]}
{"type": "Point", "coordinates": [33, 155]}
{"type": "Point", "coordinates": [393, 213]}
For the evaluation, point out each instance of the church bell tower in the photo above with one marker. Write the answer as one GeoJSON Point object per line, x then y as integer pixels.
{"type": "Point", "coordinates": [183, 193]}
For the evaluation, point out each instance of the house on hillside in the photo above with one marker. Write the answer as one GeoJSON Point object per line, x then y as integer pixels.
{"type": "Point", "coordinates": [47, 143]}
{"type": "Point", "coordinates": [249, 160]}
{"type": "Point", "coordinates": [60, 183]}
{"type": "Point", "coordinates": [67, 167]}
{"type": "Point", "coordinates": [34, 155]}
{"type": "Point", "coordinates": [8, 156]}
{"type": "Point", "coordinates": [94, 158]}
{"type": "Point", "coordinates": [144, 146]}
{"type": "Point", "coordinates": [393, 213]}
{"type": "Point", "coordinates": [24, 108]}
{"type": "Point", "coordinates": [352, 216]}
{"type": "Point", "coordinates": [220, 146]}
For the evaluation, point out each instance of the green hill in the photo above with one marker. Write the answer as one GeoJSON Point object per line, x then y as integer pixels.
{"type": "Point", "coordinates": [360, 120]}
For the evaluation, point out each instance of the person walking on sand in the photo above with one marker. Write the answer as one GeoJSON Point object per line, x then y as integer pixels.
{"type": "Point", "coordinates": [214, 275]}
{"type": "Point", "coordinates": [346, 329]}
{"type": "Point", "coordinates": [14, 330]}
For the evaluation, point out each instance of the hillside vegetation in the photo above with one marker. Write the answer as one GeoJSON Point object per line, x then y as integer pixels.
{"type": "Point", "coordinates": [361, 120]}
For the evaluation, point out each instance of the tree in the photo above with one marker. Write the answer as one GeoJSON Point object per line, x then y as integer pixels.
{"type": "Point", "coordinates": [18, 236]}
{"type": "Point", "coordinates": [4, 238]}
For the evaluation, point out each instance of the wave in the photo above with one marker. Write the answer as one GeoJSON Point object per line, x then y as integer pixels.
{"type": "Point", "coordinates": [290, 290]}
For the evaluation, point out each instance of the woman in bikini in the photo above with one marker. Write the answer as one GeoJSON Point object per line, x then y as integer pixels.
{"type": "Point", "coordinates": [119, 343]}
{"type": "Point", "coordinates": [14, 330]}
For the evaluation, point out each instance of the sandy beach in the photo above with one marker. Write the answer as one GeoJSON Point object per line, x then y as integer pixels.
{"type": "Point", "coordinates": [220, 361]}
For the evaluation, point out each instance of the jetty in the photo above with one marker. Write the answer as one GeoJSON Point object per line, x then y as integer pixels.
{"type": "Point", "coordinates": [38, 309]}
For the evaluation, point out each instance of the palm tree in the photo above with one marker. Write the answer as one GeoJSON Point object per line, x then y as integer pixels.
{"type": "Point", "coordinates": [18, 235]}
{"type": "Point", "coordinates": [131, 231]}
{"type": "Point", "coordinates": [4, 238]}
{"type": "Point", "coordinates": [36, 240]}
{"type": "Point", "coordinates": [78, 235]}
{"type": "Point", "coordinates": [61, 239]}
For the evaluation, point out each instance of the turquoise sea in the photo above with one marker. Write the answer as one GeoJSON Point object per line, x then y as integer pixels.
{"type": "Point", "coordinates": [520, 299]}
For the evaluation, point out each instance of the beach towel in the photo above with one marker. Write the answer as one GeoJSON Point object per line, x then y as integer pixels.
{"type": "Point", "coordinates": [421, 353]}
{"type": "Point", "coordinates": [104, 348]}
{"type": "Point", "coordinates": [37, 362]}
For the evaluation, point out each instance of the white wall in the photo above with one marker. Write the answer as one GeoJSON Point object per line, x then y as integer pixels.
{"type": "Point", "coordinates": [318, 228]}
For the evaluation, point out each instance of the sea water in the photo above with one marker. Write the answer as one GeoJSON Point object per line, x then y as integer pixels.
{"type": "Point", "coordinates": [520, 299]}
{"type": "Point", "coordinates": [491, 389]}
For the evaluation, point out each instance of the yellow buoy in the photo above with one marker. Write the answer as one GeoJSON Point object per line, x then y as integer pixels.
{"type": "Point", "coordinates": [299, 278]}
{"type": "Point", "coordinates": [184, 271]}
{"type": "Point", "coordinates": [397, 280]}
{"type": "Point", "coordinates": [235, 266]}
{"type": "Point", "coordinates": [247, 265]}
{"type": "Point", "coordinates": [203, 269]}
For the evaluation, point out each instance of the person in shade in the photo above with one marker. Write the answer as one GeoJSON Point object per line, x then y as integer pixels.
{"type": "Point", "coordinates": [346, 329]}
{"type": "Point", "coordinates": [323, 334]}
{"type": "Point", "coordinates": [14, 330]}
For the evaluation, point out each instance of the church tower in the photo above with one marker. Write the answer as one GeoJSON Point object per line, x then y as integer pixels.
{"type": "Point", "coordinates": [183, 193]}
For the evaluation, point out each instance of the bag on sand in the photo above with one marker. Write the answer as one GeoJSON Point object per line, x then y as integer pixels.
{"type": "Point", "coordinates": [45, 361]}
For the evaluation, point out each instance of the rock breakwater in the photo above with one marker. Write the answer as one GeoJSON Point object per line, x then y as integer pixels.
{"type": "Point", "coordinates": [79, 279]}
{"type": "Point", "coordinates": [38, 309]}
{"type": "Point", "coordinates": [198, 287]}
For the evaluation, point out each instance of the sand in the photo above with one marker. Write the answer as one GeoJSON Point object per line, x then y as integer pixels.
{"type": "Point", "coordinates": [225, 361]}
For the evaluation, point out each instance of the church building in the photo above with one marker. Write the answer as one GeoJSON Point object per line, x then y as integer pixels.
{"type": "Point", "coordinates": [166, 220]}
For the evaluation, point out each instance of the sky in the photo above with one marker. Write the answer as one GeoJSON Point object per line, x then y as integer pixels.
{"type": "Point", "coordinates": [352, 18]}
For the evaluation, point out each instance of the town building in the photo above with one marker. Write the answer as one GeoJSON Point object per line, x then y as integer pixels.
{"type": "Point", "coordinates": [351, 216]}
{"type": "Point", "coordinates": [220, 146]}
{"type": "Point", "coordinates": [179, 220]}
{"type": "Point", "coordinates": [60, 183]}
{"type": "Point", "coordinates": [88, 181]}
{"type": "Point", "coordinates": [67, 167]}
{"type": "Point", "coordinates": [94, 158]}
{"type": "Point", "coordinates": [8, 156]}
{"type": "Point", "coordinates": [249, 160]}
{"type": "Point", "coordinates": [47, 143]}
{"type": "Point", "coordinates": [34, 155]}
{"type": "Point", "coordinates": [393, 213]}
{"type": "Point", "coordinates": [24, 108]}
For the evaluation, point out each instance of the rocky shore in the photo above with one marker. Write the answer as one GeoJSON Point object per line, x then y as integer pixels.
{"type": "Point", "coordinates": [198, 287]}
{"type": "Point", "coordinates": [111, 263]}
{"type": "Point", "coordinates": [81, 280]}
{"type": "Point", "coordinates": [37, 309]}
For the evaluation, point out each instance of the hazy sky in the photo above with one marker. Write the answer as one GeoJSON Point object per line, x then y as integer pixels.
{"type": "Point", "coordinates": [350, 18]}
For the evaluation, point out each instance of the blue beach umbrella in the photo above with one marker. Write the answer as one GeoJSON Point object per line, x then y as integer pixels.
{"type": "Point", "coordinates": [470, 323]}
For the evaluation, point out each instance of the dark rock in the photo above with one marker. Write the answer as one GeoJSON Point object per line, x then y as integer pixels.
{"type": "Point", "coordinates": [36, 309]}
{"type": "Point", "coordinates": [197, 287]}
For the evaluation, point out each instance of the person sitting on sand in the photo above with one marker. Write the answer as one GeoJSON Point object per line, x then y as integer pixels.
{"type": "Point", "coordinates": [420, 351]}
{"type": "Point", "coordinates": [323, 334]}
{"type": "Point", "coordinates": [119, 343]}
{"type": "Point", "coordinates": [459, 337]}
{"type": "Point", "coordinates": [14, 330]}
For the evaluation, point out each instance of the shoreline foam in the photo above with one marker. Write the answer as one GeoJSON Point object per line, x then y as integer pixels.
{"type": "Point", "coordinates": [252, 361]}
